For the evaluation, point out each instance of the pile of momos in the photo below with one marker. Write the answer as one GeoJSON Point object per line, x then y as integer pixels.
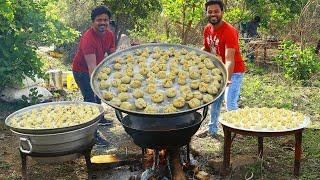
{"type": "Point", "coordinates": [55, 116]}
{"type": "Point", "coordinates": [264, 119]}
{"type": "Point", "coordinates": [159, 80]}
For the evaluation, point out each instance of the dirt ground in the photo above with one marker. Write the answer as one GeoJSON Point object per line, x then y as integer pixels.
{"type": "Point", "coordinates": [206, 153]}
{"type": "Point", "coordinates": [119, 143]}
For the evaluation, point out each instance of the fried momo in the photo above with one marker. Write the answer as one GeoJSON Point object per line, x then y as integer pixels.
{"type": "Point", "coordinates": [198, 95]}
{"type": "Point", "coordinates": [116, 101]}
{"type": "Point", "coordinates": [182, 81]}
{"type": "Point", "coordinates": [117, 75]}
{"type": "Point", "coordinates": [123, 88]}
{"type": "Point", "coordinates": [206, 78]}
{"type": "Point", "coordinates": [185, 88]}
{"type": "Point", "coordinates": [210, 65]}
{"type": "Point", "coordinates": [150, 109]}
{"type": "Point", "coordinates": [126, 79]}
{"type": "Point", "coordinates": [207, 98]}
{"type": "Point", "coordinates": [162, 74]}
{"type": "Point", "coordinates": [203, 87]}
{"type": "Point", "coordinates": [117, 66]}
{"type": "Point", "coordinates": [217, 77]}
{"type": "Point", "coordinates": [144, 71]}
{"type": "Point", "coordinates": [126, 105]}
{"type": "Point", "coordinates": [123, 96]}
{"type": "Point", "coordinates": [140, 103]}
{"type": "Point", "coordinates": [171, 92]}
{"type": "Point", "coordinates": [137, 93]}
{"type": "Point", "coordinates": [188, 95]}
{"type": "Point", "coordinates": [194, 75]}
{"type": "Point", "coordinates": [116, 82]}
{"type": "Point", "coordinates": [193, 103]}
{"type": "Point", "coordinates": [215, 71]}
{"type": "Point", "coordinates": [167, 83]}
{"type": "Point", "coordinates": [195, 84]}
{"type": "Point", "coordinates": [178, 102]}
{"type": "Point", "coordinates": [169, 109]}
{"type": "Point", "coordinates": [157, 97]}
{"type": "Point", "coordinates": [102, 76]}
{"type": "Point", "coordinates": [135, 84]}
{"type": "Point", "coordinates": [104, 85]}
{"type": "Point", "coordinates": [204, 71]}
{"type": "Point", "coordinates": [108, 96]}
{"type": "Point", "coordinates": [106, 70]}
{"type": "Point", "coordinates": [138, 77]}
{"type": "Point", "coordinates": [212, 89]}
{"type": "Point", "coordinates": [151, 88]}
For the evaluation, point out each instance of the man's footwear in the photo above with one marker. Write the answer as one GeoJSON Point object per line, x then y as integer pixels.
{"type": "Point", "coordinates": [104, 122]}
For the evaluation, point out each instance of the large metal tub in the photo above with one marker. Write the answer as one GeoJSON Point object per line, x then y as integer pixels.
{"type": "Point", "coordinates": [50, 141]}
{"type": "Point", "coordinates": [57, 143]}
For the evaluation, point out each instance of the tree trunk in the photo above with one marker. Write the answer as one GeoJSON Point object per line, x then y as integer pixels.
{"type": "Point", "coordinates": [183, 38]}
{"type": "Point", "coordinates": [225, 2]}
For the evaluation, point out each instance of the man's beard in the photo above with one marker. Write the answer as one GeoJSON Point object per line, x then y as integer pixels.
{"type": "Point", "coordinates": [215, 21]}
{"type": "Point", "coordinates": [101, 28]}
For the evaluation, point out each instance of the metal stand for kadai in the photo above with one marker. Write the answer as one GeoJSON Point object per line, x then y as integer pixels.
{"type": "Point", "coordinates": [228, 140]}
{"type": "Point", "coordinates": [84, 150]}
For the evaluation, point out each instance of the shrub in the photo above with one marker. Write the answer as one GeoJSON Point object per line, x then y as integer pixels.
{"type": "Point", "coordinates": [25, 25]}
{"type": "Point", "coordinates": [296, 63]}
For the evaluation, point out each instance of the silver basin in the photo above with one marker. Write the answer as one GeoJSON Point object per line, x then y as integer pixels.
{"type": "Point", "coordinates": [57, 143]}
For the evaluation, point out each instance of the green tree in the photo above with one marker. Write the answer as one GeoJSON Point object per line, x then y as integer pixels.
{"type": "Point", "coordinates": [127, 13]}
{"type": "Point", "coordinates": [185, 16]}
{"type": "Point", "coordinates": [24, 25]}
{"type": "Point", "coordinates": [298, 64]}
{"type": "Point", "coordinates": [276, 15]}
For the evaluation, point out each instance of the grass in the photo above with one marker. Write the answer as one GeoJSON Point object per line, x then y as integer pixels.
{"type": "Point", "coordinates": [272, 91]}
{"type": "Point", "coordinates": [4, 165]}
{"type": "Point", "coordinates": [278, 159]}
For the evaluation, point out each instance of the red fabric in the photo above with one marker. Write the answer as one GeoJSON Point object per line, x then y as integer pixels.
{"type": "Point", "coordinates": [93, 43]}
{"type": "Point", "coordinates": [226, 36]}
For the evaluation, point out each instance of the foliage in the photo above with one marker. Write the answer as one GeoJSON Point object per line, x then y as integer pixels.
{"type": "Point", "coordinates": [296, 63]}
{"type": "Point", "coordinates": [236, 12]}
{"type": "Point", "coordinates": [275, 14]}
{"type": "Point", "coordinates": [126, 13]}
{"type": "Point", "coordinates": [151, 30]}
{"type": "Point", "coordinates": [33, 98]}
{"type": "Point", "coordinates": [184, 16]}
{"type": "Point", "coordinates": [24, 26]}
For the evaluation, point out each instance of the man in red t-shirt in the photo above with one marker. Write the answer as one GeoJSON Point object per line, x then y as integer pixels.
{"type": "Point", "coordinates": [97, 42]}
{"type": "Point", "coordinates": [222, 39]}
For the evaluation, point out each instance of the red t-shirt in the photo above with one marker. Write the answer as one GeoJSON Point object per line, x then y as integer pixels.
{"type": "Point", "coordinates": [217, 40]}
{"type": "Point", "coordinates": [93, 43]}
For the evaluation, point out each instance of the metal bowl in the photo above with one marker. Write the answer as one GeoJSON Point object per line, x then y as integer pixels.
{"type": "Point", "coordinates": [301, 126]}
{"type": "Point", "coordinates": [56, 130]}
{"type": "Point", "coordinates": [110, 60]}
{"type": "Point", "coordinates": [57, 140]}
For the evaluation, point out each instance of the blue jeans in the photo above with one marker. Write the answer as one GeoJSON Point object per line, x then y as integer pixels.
{"type": "Point", "coordinates": [83, 81]}
{"type": "Point", "coordinates": [231, 96]}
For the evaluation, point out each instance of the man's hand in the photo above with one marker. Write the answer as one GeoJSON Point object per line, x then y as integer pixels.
{"type": "Point", "coordinates": [230, 62]}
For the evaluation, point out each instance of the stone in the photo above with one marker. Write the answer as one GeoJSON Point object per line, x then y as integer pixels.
{"type": "Point", "coordinates": [201, 175]}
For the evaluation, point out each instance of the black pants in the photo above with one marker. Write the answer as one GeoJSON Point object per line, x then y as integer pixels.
{"type": "Point", "coordinates": [83, 81]}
